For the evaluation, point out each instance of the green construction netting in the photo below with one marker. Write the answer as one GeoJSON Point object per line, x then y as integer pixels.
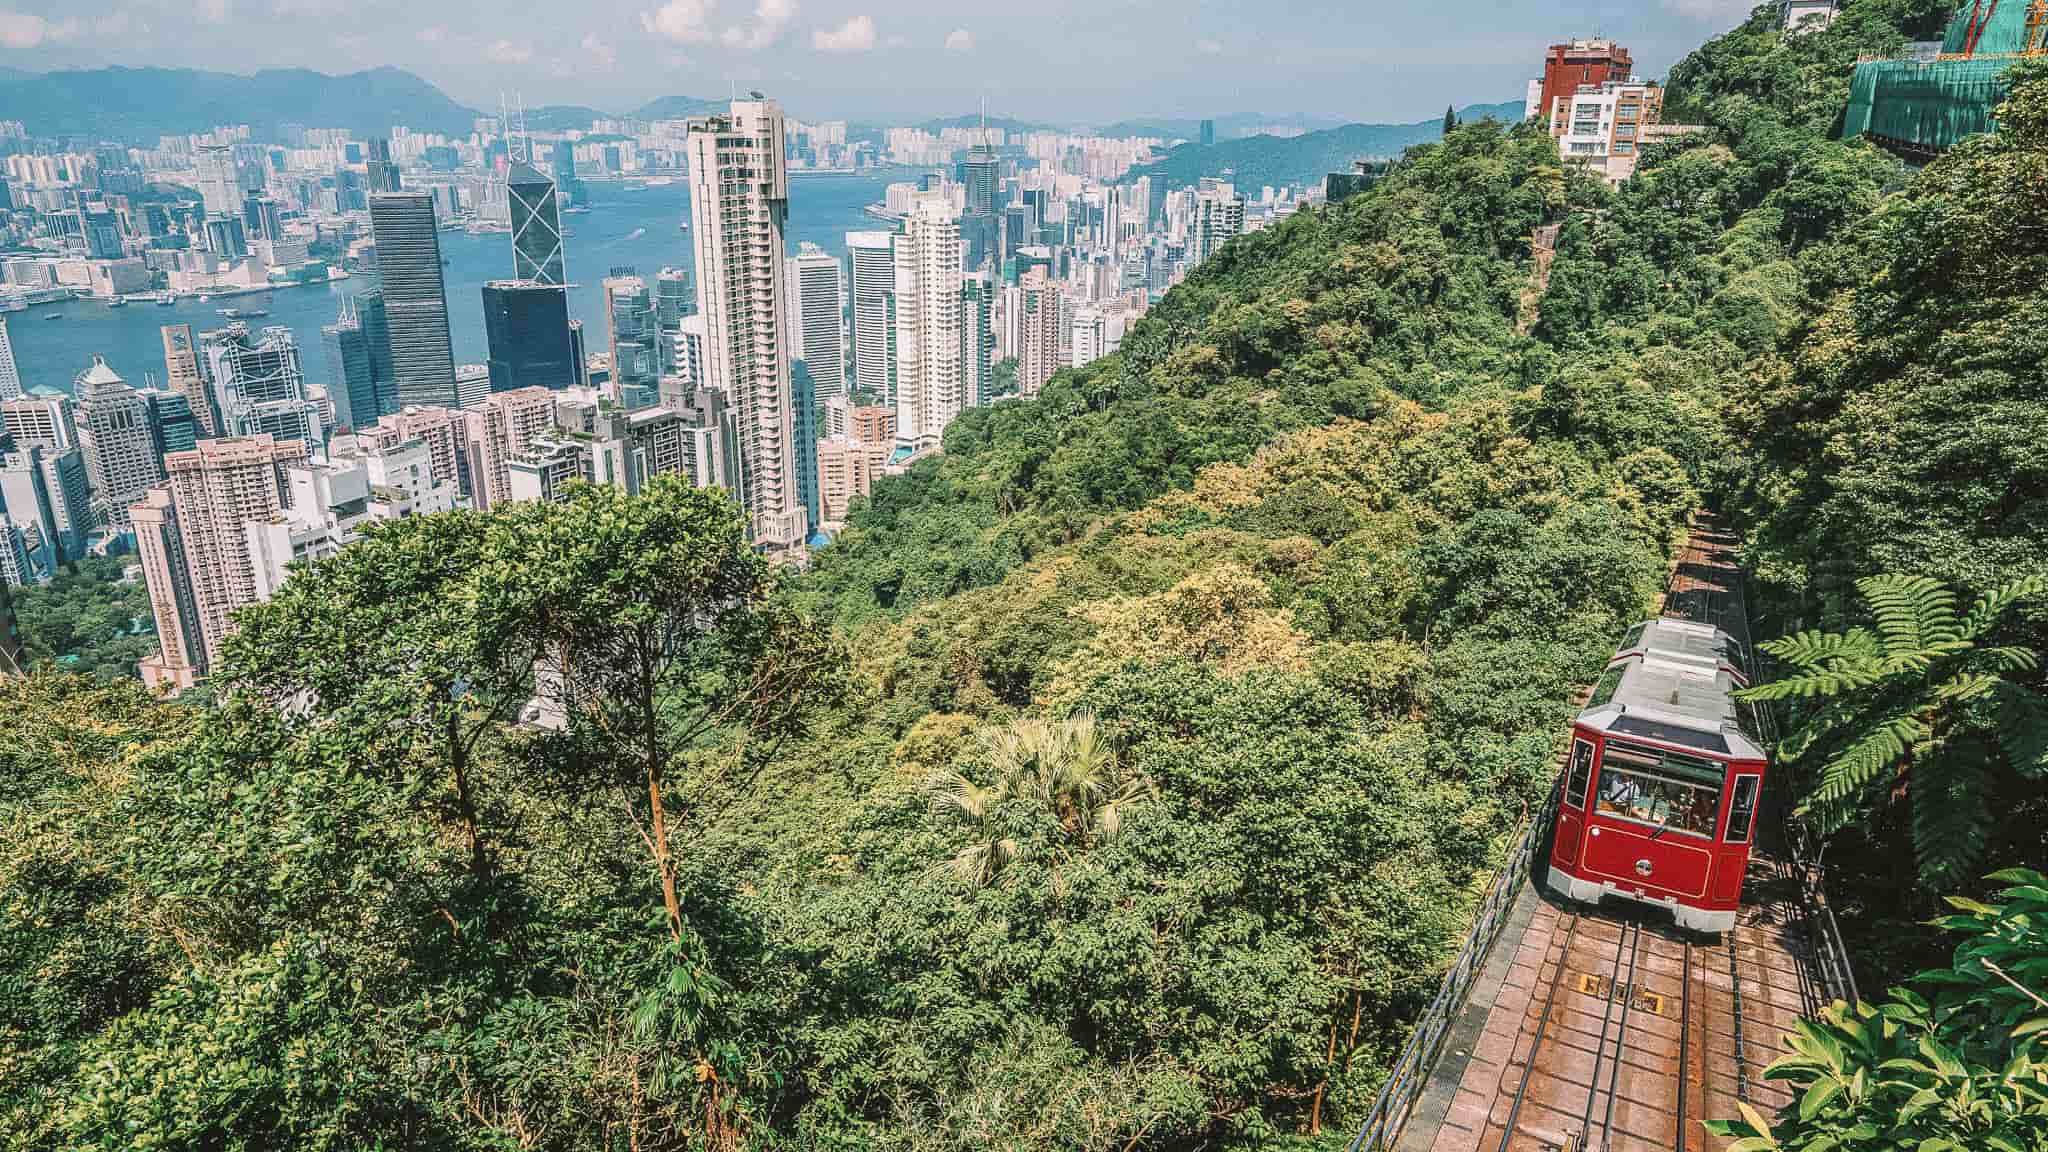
{"type": "Point", "coordinates": [1927, 105]}
{"type": "Point", "coordinates": [2004, 27]}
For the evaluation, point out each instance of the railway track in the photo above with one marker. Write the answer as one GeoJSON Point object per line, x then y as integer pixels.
{"type": "Point", "coordinates": [1611, 1030]}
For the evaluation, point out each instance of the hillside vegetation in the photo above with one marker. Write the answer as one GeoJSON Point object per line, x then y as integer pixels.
{"type": "Point", "coordinates": [1123, 776]}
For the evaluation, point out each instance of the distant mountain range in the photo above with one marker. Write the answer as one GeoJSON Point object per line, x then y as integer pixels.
{"type": "Point", "coordinates": [140, 104]}
{"type": "Point", "coordinates": [1230, 127]}
{"type": "Point", "coordinates": [1279, 160]}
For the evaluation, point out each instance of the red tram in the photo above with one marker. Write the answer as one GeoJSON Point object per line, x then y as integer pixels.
{"type": "Point", "coordinates": [1661, 788]}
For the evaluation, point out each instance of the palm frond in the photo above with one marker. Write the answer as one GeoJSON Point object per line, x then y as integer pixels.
{"type": "Point", "coordinates": [1991, 605]}
{"type": "Point", "coordinates": [2011, 658]}
{"type": "Point", "coordinates": [1965, 687]}
{"type": "Point", "coordinates": [955, 797]}
{"type": "Point", "coordinates": [1913, 612]}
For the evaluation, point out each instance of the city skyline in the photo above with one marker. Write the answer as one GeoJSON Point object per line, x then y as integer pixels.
{"type": "Point", "coordinates": [856, 59]}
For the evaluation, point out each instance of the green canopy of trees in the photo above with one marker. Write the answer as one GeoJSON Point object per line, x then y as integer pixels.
{"type": "Point", "coordinates": [1122, 776]}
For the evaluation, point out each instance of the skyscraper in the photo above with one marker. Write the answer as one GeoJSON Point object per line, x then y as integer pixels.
{"type": "Point", "coordinates": [379, 173]}
{"type": "Point", "coordinates": [415, 305]}
{"type": "Point", "coordinates": [358, 350]}
{"type": "Point", "coordinates": [120, 451]}
{"type": "Point", "coordinates": [526, 329]}
{"type": "Point", "coordinates": [10, 376]}
{"type": "Point", "coordinates": [929, 385]}
{"type": "Point", "coordinates": [181, 374]}
{"type": "Point", "coordinates": [739, 201]}
{"type": "Point", "coordinates": [536, 225]}
{"type": "Point", "coordinates": [505, 426]}
{"type": "Point", "coordinates": [220, 185]}
{"type": "Point", "coordinates": [873, 257]}
{"type": "Point", "coordinates": [259, 387]}
{"type": "Point", "coordinates": [980, 228]}
{"type": "Point", "coordinates": [216, 490]}
{"type": "Point", "coordinates": [1218, 215]}
{"type": "Point", "coordinates": [817, 303]}
{"type": "Point", "coordinates": [1206, 134]}
{"type": "Point", "coordinates": [171, 421]}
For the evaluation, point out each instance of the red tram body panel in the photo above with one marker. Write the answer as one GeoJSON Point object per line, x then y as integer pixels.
{"type": "Point", "coordinates": [1663, 780]}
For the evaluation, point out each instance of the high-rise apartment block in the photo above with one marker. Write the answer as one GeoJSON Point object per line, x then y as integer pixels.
{"type": "Point", "coordinates": [504, 427]}
{"type": "Point", "coordinates": [1218, 216]}
{"type": "Point", "coordinates": [180, 659]}
{"type": "Point", "coordinates": [1038, 339]}
{"type": "Point", "coordinates": [739, 201]}
{"type": "Point", "coordinates": [930, 383]}
{"type": "Point", "coordinates": [10, 375]}
{"type": "Point", "coordinates": [415, 303]}
{"type": "Point", "coordinates": [217, 489]}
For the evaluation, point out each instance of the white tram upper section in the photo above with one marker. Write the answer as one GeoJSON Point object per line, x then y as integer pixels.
{"type": "Point", "coordinates": [1673, 682]}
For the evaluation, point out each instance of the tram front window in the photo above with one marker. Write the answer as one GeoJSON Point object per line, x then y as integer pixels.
{"type": "Point", "coordinates": [1660, 789]}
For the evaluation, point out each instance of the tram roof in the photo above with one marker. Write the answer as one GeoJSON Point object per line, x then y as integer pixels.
{"type": "Point", "coordinates": [1674, 681]}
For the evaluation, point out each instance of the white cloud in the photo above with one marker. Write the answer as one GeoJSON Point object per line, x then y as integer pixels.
{"type": "Point", "coordinates": [1208, 47]}
{"type": "Point", "coordinates": [27, 30]}
{"type": "Point", "coordinates": [770, 18]}
{"type": "Point", "coordinates": [1715, 11]}
{"type": "Point", "coordinates": [856, 35]}
{"type": "Point", "coordinates": [213, 11]}
{"type": "Point", "coordinates": [507, 52]}
{"type": "Point", "coordinates": [599, 53]}
{"type": "Point", "coordinates": [683, 21]}
{"type": "Point", "coordinates": [960, 41]}
{"type": "Point", "coordinates": [432, 34]}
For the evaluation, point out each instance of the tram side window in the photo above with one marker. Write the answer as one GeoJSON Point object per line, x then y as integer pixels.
{"type": "Point", "coordinates": [1582, 771]}
{"type": "Point", "coordinates": [1641, 789]}
{"type": "Point", "coordinates": [1742, 810]}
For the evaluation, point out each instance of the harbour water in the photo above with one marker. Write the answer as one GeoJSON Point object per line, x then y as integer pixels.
{"type": "Point", "coordinates": [625, 226]}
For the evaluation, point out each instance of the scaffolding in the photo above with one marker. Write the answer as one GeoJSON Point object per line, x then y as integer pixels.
{"type": "Point", "coordinates": [1921, 108]}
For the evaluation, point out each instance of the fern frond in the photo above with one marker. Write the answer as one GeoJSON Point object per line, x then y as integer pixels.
{"type": "Point", "coordinates": [1813, 648]}
{"type": "Point", "coordinates": [1860, 763]}
{"type": "Point", "coordinates": [1952, 817]}
{"type": "Point", "coordinates": [2023, 728]}
{"type": "Point", "coordinates": [1965, 687]}
{"type": "Point", "coordinates": [1826, 683]}
{"type": "Point", "coordinates": [1991, 605]}
{"type": "Point", "coordinates": [2011, 658]}
{"type": "Point", "coordinates": [1912, 612]}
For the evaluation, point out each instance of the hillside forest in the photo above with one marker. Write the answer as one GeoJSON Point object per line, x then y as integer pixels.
{"type": "Point", "coordinates": [1123, 777]}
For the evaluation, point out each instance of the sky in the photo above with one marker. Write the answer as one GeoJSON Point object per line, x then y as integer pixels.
{"type": "Point", "coordinates": [1062, 60]}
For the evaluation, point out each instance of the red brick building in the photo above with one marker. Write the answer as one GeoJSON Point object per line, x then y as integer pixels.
{"type": "Point", "coordinates": [1567, 66]}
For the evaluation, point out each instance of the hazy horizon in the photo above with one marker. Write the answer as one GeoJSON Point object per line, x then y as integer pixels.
{"type": "Point", "coordinates": [854, 59]}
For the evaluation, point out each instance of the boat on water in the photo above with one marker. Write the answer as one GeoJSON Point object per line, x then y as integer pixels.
{"type": "Point", "coordinates": [166, 299]}
{"type": "Point", "coordinates": [244, 313]}
{"type": "Point", "coordinates": [54, 316]}
{"type": "Point", "coordinates": [204, 298]}
{"type": "Point", "coordinates": [683, 227]}
{"type": "Point", "coordinates": [117, 301]}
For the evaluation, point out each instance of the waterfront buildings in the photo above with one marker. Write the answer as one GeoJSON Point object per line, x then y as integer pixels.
{"type": "Point", "coordinates": [739, 202]}
{"type": "Point", "coordinates": [259, 387]}
{"type": "Point", "coordinates": [415, 305]}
